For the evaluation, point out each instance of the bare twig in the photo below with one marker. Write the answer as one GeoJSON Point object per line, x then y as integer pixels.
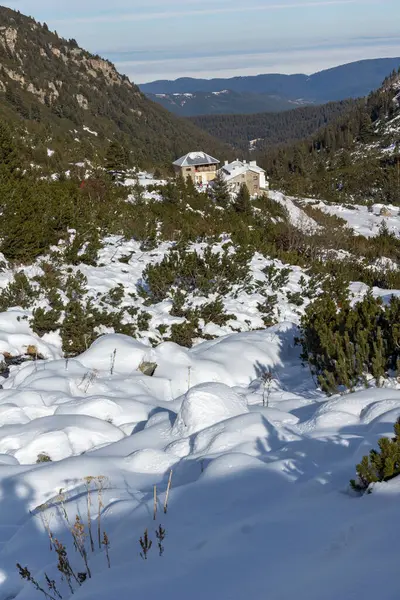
{"type": "Point", "coordinates": [26, 574]}
{"type": "Point", "coordinates": [168, 490]}
{"type": "Point", "coordinates": [155, 503]}
{"type": "Point", "coordinates": [88, 481]}
{"type": "Point", "coordinates": [106, 544]}
{"type": "Point", "coordinates": [100, 482]}
{"type": "Point", "coordinates": [113, 357]}
{"type": "Point", "coordinates": [79, 536]}
{"type": "Point", "coordinates": [64, 565]}
{"type": "Point", "coordinates": [267, 378]}
{"type": "Point", "coordinates": [145, 544]}
{"type": "Point", "coordinates": [160, 535]}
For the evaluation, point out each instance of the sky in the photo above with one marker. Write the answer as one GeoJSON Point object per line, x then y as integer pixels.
{"type": "Point", "coordinates": [167, 39]}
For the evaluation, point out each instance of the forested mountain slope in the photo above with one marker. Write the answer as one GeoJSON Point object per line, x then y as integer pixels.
{"type": "Point", "coordinates": [355, 157]}
{"type": "Point", "coordinates": [263, 130]}
{"type": "Point", "coordinates": [60, 92]}
{"type": "Point", "coordinates": [224, 102]}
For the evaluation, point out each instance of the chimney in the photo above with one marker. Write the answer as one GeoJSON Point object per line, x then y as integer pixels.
{"type": "Point", "coordinates": [226, 162]}
{"type": "Point", "coordinates": [253, 163]}
{"type": "Point", "coordinates": [244, 162]}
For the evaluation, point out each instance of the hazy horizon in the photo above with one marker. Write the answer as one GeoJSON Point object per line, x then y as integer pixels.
{"type": "Point", "coordinates": [224, 38]}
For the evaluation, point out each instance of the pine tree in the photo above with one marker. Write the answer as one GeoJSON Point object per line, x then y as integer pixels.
{"type": "Point", "coordinates": [171, 193]}
{"type": "Point", "coordinates": [8, 153]}
{"type": "Point", "coordinates": [220, 190]}
{"type": "Point", "coordinates": [378, 362]}
{"type": "Point", "coordinates": [77, 329]}
{"type": "Point", "coordinates": [380, 465]}
{"type": "Point", "coordinates": [116, 161]}
{"type": "Point", "coordinates": [191, 191]}
{"type": "Point", "coordinates": [242, 203]}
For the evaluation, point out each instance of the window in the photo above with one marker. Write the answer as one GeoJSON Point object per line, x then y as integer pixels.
{"type": "Point", "coordinates": [188, 169]}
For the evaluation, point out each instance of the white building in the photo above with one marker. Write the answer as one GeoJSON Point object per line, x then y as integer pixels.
{"type": "Point", "coordinates": [238, 172]}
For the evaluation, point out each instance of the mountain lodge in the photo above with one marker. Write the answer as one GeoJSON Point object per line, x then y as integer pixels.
{"type": "Point", "coordinates": [203, 168]}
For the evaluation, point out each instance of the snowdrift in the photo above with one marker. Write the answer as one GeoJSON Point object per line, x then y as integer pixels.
{"type": "Point", "coordinates": [257, 490]}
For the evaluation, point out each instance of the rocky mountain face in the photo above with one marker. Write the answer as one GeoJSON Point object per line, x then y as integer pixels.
{"type": "Point", "coordinates": [47, 81]}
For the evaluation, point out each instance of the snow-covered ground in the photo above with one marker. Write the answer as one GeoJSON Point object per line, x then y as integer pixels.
{"type": "Point", "coordinates": [121, 264]}
{"type": "Point", "coordinates": [120, 267]}
{"type": "Point", "coordinates": [259, 504]}
{"type": "Point", "coordinates": [363, 221]}
{"type": "Point", "coordinates": [297, 216]}
{"type": "Point", "coordinates": [260, 459]}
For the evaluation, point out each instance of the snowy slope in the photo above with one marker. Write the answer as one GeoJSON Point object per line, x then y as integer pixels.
{"type": "Point", "coordinates": [260, 459]}
{"type": "Point", "coordinates": [259, 503]}
{"type": "Point", "coordinates": [121, 264]}
{"type": "Point", "coordinates": [361, 220]}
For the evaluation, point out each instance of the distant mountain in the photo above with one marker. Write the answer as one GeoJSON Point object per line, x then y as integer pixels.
{"type": "Point", "coordinates": [271, 92]}
{"type": "Point", "coordinates": [221, 103]}
{"type": "Point", "coordinates": [77, 102]}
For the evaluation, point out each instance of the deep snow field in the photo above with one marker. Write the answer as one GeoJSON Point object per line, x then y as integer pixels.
{"type": "Point", "coordinates": [259, 505]}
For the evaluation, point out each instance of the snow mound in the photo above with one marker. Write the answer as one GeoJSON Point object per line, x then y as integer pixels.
{"type": "Point", "coordinates": [237, 433]}
{"type": "Point", "coordinates": [16, 337]}
{"type": "Point", "coordinates": [58, 437]}
{"type": "Point", "coordinates": [230, 463]}
{"type": "Point", "coordinates": [118, 353]}
{"type": "Point", "coordinates": [234, 360]}
{"type": "Point", "coordinates": [207, 404]}
{"type": "Point", "coordinates": [357, 403]}
{"type": "Point", "coordinates": [150, 461]}
{"type": "Point", "coordinates": [117, 412]}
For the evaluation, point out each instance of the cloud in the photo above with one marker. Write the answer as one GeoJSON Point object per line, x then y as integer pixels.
{"type": "Point", "coordinates": [279, 60]}
{"type": "Point", "coordinates": [192, 12]}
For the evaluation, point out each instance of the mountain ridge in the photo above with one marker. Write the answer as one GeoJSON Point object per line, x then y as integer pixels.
{"type": "Point", "coordinates": [275, 91]}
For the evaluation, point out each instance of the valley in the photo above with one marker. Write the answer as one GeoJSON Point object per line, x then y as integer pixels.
{"type": "Point", "coordinates": [199, 335]}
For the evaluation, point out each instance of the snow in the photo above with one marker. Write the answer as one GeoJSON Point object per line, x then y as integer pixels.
{"type": "Point", "coordinates": [144, 179]}
{"type": "Point", "coordinates": [297, 216]}
{"type": "Point", "coordinates": [361, 220]}
{"type": "Point", "coordinates": [60, 437]}
{"type": "Point", "coordinates": [205, 405]}
{"type": "Point", "coordinates": [260, 503]}
{"type": "Point", "coordinates": [85, 128]}
{"type": "Point", "coordinates": [256, 491]}
{"type": "Point", "coordinates": [121, 264]}
{"type": "Point", "coordinates": [253, 144]}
